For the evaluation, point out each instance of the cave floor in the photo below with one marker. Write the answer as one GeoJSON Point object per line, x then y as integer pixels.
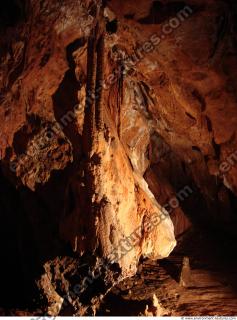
{"type": "Point", "coordinates": [211, 289]}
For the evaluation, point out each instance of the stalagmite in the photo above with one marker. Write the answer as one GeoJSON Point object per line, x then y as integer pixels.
{"type": "Point", "coordinates": [185, 276]}
{"type": "Point", "coordinates": [112, 132]}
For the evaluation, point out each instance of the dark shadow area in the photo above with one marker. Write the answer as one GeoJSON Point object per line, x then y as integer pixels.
{"type": "Point", "coordinates": [160, 12]}
{"type": "Point", "coordinates": [112, 26]}
{"type": "Point", "coordinates": [23, 136]}
{"type": "Point", "coordinates": [171, 269]}
{"type": "Point", "coordinates": [211, 249]}
{"type": "Point", "coordinates": [212, 261]}
{"type": "Point", "coordinates": [121, 306]}
{"type": "Point", "coordinates": [19, 259]}
{"type": "Point", "coordinates": [65, 100]}
{"type": "Point", "coordinates": [29, 229]}
{"type": "Point", "coordinates": [11, 13]}
{"type": "Point", "coordinates": [29, 237]}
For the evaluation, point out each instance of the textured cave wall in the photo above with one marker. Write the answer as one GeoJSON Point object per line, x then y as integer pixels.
{"type": "Point", "coordinates": [81, 172]}
{"type": "Point", "coordinates": [192, 75]}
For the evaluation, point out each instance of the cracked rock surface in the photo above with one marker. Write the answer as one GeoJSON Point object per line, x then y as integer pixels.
{"type": "Point", "coordinates": [117, 134]}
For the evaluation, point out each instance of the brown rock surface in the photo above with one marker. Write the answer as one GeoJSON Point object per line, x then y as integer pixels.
{"type": "Point", "coordinates": [117, 132]}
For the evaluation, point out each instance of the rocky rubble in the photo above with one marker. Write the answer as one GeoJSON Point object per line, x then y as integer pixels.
{"type": "Point", "coordinates": [108, 111]}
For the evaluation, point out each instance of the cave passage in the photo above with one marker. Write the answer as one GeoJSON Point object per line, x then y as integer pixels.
{"type": "Point", "coordinates": [118, 158]}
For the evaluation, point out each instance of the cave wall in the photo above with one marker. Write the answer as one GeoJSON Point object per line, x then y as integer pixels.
{"type": "Point", "coordinates": [107, 112]}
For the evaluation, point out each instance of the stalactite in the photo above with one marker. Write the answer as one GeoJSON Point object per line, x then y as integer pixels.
{"type": "Point", "coordinates": [95, 77]}
{"type": "Point", "coordinates": [99, 83]}
{"type": "Point", "coordinates": [90, 90]}
{"type": "Point", "coordinates": [120, 96]}
{"type": "Point", "coordinates": [117, 64]}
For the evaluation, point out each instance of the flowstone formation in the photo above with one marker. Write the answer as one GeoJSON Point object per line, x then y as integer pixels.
{"type": "Point", "coordinates": [118, 132]}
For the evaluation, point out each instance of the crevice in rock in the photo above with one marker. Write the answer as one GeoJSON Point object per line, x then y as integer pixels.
{"type": "Point", "coordinates": [195, 148]}
{"type": "Point", "coordinates": [112, 26]}
{"type": "Point", "coordinates": [217, 149]}
{"type": "Point", "coordinates": [209, 124]}
{"type": "Point", "coordinates": [65, 100]}
{"type": "Point", "coordinates": [190, 116]}
{"type": "Point", "coordinates": [84, 187]}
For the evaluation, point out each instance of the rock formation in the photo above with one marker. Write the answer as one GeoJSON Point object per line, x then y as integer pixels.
{"type": "Point", "coordinates": [118, 131]}
{"type": "Point", "coordinates": [185, 275]}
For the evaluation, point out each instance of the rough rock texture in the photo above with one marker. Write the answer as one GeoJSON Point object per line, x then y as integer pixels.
{"type": "Point", "coordinates": [212, 280]}
{"type": "Point", "coordinates": [106, 117]}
